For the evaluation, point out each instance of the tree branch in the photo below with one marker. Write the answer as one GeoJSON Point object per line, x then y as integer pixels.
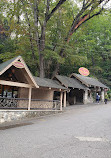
{"type": "Point", "coordinates": [78, 21]}
{"type": "Point", "coordinates": [56, 7]}
{"type": "Point", "coordinates": [36, 19]}
{"type": "Point", "coordinates": [84, 3]}
{"type": "Point", "coordinates": [90, 17]}
{"type": "Point", "coordinates": [47, 7]}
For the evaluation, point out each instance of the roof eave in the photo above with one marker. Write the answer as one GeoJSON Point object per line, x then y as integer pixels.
{"type": "Point", "coordinates": [79, 79]}
{"type": "Point", "coordinates": [52, 88]}
{"type": "Point", "coordinates": [7, 67]}
{"type": "Point", "coordinates": [26, 68]}
{"type": "Point", "coordinates": [60, 82]}
{"type": "Point", "coordinates": [29, 73]}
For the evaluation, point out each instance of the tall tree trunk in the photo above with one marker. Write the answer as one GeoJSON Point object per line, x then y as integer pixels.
{"type": "Point", "coordinates": [55, 72]}
{"type": "Point", "coordinates": [41, 64]}
{"type": "Point", "coordinates": [41, 44]}
{"type": "Point", "coordinates": [41, 50]}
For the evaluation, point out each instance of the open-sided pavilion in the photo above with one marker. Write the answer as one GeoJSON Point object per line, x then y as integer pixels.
{"type": "Point", "coordinates": [19, 89]}
{"type": "Point", "coordinates": [94, 85]}
{"type": "Point", "coordinates": [77, 89]}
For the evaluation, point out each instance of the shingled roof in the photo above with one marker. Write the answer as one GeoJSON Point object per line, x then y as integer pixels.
{"type": "Point", "coordinates": [45, 82]}
{"type": "Point", "coordinates": [5, 64]}
{"type": "Point", "coordinates": [89, 81]}
{"type": "Point", "coordinates": [70, 82]}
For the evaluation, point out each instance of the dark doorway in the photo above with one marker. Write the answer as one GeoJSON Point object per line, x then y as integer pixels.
{"type": "Point", "coordinates": [75, 96]}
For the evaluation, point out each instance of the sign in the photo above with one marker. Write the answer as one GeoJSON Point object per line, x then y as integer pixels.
{"type": "Point", "coordinates": [83, 71]}
{"type": "Point", "coordinates": [18, 64]}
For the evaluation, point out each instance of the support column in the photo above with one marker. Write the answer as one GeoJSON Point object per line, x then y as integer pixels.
{"type": "Point", "coordinates": [64, 99]}
{"type": "Point", "coordinates": [30, 93]}
{"type": "Point", "coordinates": [61, 96]}
{"type": "Point", "coordinates": [102, 95]}
{"type": "Point", "coordinates": [74, 100]}
{"type": "Point", "coordinates": [85, 97]}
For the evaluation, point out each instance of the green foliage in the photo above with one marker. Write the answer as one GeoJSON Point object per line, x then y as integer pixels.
{"type": "Point", "coordinates": [109, 94]}
{"type": "Point", "coordinates": [89, 46]}
{"type": "Point", "coordinates": [94, 40]}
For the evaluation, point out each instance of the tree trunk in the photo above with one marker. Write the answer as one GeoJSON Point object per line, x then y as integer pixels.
{"type": "Point", "coordinates": [41, 49]}
{"type": "Point", "coordinates": [55, 71]}
{"type": "Point", "coordinates": [41, 64]}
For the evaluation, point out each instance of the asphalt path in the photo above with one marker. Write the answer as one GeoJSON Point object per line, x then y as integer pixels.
{"type": "Point", "coordinates": [82, 131]}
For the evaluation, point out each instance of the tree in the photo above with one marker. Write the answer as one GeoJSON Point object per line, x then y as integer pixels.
{"type": "Point", "coordinates": [89, 10]}
{"type": "Point", "coordinates": [94, 39]}
{"type": "Point", "coordinates": [7, 46]}
{"type": "Point", "coordinates": [38, 14]}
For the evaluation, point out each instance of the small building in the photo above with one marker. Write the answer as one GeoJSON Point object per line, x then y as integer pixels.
{"type": "Point", "coordinates": [19, 89]}
{"type": "Point", "coordinates": [77, 89]}
{"type": "Point", "coordinates": [93, 84]}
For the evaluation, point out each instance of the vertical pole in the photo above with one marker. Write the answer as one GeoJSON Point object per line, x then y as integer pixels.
{"type": "Point", "coordinates": [85, 96]}
{"type": "Point", "coordinates": [102, 95]}
{"type": "Point", "coordinates": [74, 100]}
{"type": "Point", "coordinates": [30, 92]}
{"type": "Point", "coordinates": [2, 90]}
{"type": "Point", "coordinates": [12, 92]}
{"type": "Point", "coordinates": [61, 95]}
{"type": "Point", "coordinates": [64, 99]}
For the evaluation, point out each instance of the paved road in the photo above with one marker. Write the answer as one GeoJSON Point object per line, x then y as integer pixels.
{"type": "Point", "coordinates": [80, 132]}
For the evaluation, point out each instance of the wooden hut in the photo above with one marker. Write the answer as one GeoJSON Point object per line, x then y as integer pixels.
{"type": "Point", "coordinates": [77, 90]}
{"type": "Point", "coordinates": [93, 84]}
{"type": "Point", "coordinates": [19, 89]}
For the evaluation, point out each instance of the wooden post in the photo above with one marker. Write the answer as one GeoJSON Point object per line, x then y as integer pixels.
{"type": "Point", "coordinates": [74, 100]}
{"type": "Point", "coordinates": [12, 91]}
{"type": "Point", "coordinates": [61, 96]}
{"type": "Point", "coordinates": [64, 99]}
{"type": "Point", "coordinates": [102, 95]}
{"type": "Point", "coordinates": [85, 100]}
{"type": "Point", "coordinates": [2, 90]}
{"type": "Point", "coordinates": [30, 92]}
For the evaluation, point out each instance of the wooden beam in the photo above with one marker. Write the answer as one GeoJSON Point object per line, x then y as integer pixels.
{"type": "Point", "coordinates": [61, 96]}
{"type": "Point", "coordinates": [6, 68]}
{"type": "Point", "coordinates": [79, 79]}
{"type": "Point", "coordinates": [26, 68]}
{"type": "Point", "coordinates": [61, 82]}
{"type": "Point", "coordinates": [54, 89]}
{"type": "Point", "coordinates": [30, 93]}
{"type": "Point", "coordinates": [16, 84]}
{"type": "Point", "coordinates": [64, 99]}
{"type": "Point", "coordinates": [29, 73]}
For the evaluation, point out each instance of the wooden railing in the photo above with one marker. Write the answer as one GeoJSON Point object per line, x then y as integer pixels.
{"type": "Point", "coordinates": [22, 103]}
